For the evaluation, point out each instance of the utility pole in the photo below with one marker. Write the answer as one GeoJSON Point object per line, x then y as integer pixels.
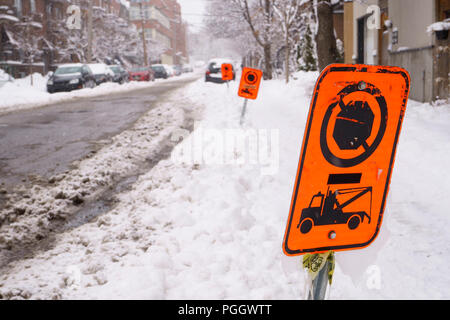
{"type": "Point", "coordinates": [175, 20]}
{"type": "Point", "coordinates": [144, 44]}
{"type": "Point", "coordinates": [89, 52]}
{"type": "Point", "coordinates": [174, 52]}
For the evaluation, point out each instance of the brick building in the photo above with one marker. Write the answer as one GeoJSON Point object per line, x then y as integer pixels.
{"type": "Point", "coordinates": [161, 21]}
{"type": "Point", "coordinates": [22, 23]}
{"type": "Point", "coordinates": [32, 37]}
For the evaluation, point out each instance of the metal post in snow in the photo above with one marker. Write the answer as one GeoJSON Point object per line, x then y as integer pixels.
{"type": "Point", "coordinates": [243, 112]}
{"type": "Point", "coordinates": [319, 284]}
{"type": "Point", "coordinates": [320, 268]}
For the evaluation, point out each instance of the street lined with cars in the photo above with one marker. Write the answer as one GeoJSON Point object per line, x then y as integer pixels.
{"type": "Point", "coordinates": [68, 77]}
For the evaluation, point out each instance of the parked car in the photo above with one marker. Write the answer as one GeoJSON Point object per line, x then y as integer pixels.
{"type": "Point", "coordinates": [187, 68]}
{"type": "Point", "coordinates": [141, 74]}
{"type": "Point", "coordinates": [120, 74]}
{"type": "Point", "coordinates": [178, 70]}
{"type": "Point", "coordinates": [69, 77]}
{"type": "Point", "coordinates": [169, 69]}
{"type": "Point", "coordinates": [160, 71]}
{"type": "Point", "coordinates": [213, 71]}
{"type": "Point", "coordinates": [102, 72]}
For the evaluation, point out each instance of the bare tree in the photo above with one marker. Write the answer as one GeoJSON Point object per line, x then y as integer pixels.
{"type": "Point", "coordinates": [31, 41]}
{"type": "Point", "coordinates": [287, 13]}
{"type": "Point", "coordinates": [261, 30]}
{"type": "Point", "coordinates": [224, 21]}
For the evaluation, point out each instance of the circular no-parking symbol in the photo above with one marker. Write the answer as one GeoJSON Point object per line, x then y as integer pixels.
{"type": "Point", "coordinates": [251, 77]}
{"type": "Point", "coordinates": [351, 125]}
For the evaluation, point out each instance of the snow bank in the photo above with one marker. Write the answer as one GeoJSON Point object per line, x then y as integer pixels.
{"type": "Point", "coordinates": [193, 228]}
{"type": "Point", "coordinates": [439, 26]}
{"type": "Point", "coordinates": [19, 94]}
{"type": "Point", "coordinates": [4, 76]}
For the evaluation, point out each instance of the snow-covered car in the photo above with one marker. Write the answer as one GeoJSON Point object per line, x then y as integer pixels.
{"type": "Point", "coordinates": [213, 71]}
{"type": "Point", "coordinates": [69, 77]}
{"type": "Point", "coordinates": [178, 69]}
{"type": "Point", "coordinates": [169, 70]}
{"type": "Point", "coordinates": [187, 68]}
{"type": "Point", "coordinates": [141, 74]}
{"type": "Point", "coordinates": [160, 71]}
{"type": "Point", "coordinates": [102, 72]}
{"type": "Point", "coordinates": [120, 74]}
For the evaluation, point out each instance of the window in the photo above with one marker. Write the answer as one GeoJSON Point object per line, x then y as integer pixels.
{"type": "Point", "coordinates": [57, 13]}
{"type": "Point", "coordinates": [395, 36]}
{"type": "Point", "coordinates": [18, 6]}
{"type": "Point", "coordinates": [148, 33]}
{"type": "Point", "coordinates": [160, 17]}
{"type": "Point", "coordinates": [32, 6]}
{"type": "Point", "coordinates": [135, 13]}
{"type": "Point", "coordinates": [161, 38]}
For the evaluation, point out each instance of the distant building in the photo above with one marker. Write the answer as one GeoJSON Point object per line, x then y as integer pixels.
{"type": "Point", "coordinates": [162, 23]}
{"type": "Point", "coordinates": [404, 38]}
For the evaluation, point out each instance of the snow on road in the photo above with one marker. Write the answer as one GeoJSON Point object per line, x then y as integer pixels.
{"type": "Point", "coordinates": [198, 227]}
{"type": "Point", "coordinates": [30, 214]}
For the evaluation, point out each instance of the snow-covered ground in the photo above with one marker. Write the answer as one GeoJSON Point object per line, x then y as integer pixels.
{"type": "Point", "coordinates": [20, 94]}
{"type": "Point", "coordinates": [211, 227]}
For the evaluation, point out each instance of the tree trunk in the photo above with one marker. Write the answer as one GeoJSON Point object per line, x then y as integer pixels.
{"type": "Point", "coordinates": [267, 43]}
{"type": "Point", "coordinates": [31, 73]}
{"type": "Point", "coordinates": [287, 56]}
{"type": "Point", "coordinates": [267, 62]}
{"type": "Point", "coordinates": [326, 42]}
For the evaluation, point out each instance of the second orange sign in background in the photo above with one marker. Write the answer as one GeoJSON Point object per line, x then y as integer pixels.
{"type": "Point", "coordinates": [250, 81]}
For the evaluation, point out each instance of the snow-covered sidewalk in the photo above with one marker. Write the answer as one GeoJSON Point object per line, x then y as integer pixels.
{"type": "Point", "coordinates": [211, 226]}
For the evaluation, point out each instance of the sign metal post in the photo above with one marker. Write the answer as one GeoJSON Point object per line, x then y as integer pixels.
{"type": "Point", "coordinates": [249, 87]}
{"type": "Point", "coordinates": [244, 108]}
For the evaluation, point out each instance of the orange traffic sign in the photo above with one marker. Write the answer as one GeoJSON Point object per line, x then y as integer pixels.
{"type": "Point", "coordinates": [249, 85]}
{"type": "Point", "coordinates": [347, 158]}
{"type": "Point", "coordinates": [227, 71]}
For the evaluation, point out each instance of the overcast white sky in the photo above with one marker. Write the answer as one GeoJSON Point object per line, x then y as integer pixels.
{"type": "Point", "coordinates": [192, 12]}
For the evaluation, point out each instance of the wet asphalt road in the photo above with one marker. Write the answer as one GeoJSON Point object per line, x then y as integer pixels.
{"type": "Point", "coordinates": [45, 141]}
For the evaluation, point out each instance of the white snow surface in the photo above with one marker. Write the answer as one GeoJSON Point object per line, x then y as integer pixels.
{"type": "Point", "coordinates": [439, 26]}
{"type": "Point", "coordinates": [98, 68]}
{"type": "Point", "coordinates": [199, 231]}
{"type": "Point", "coordinates": [20, 94]}
{"type": "Point", "coordinates": [8, 17]}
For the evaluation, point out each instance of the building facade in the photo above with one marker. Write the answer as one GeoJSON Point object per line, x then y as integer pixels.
{"type": "Point", "coordinates": [400, 33]}
{"type": "Point", "coordinates": [162, 23]}
{"type": "Point", "coordinates": [34, 36]}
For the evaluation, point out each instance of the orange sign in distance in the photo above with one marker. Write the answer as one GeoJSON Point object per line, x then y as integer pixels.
{"type": "Point", "coordinates": [347, 158]}
{"type": "Point", "coordinates": [227, 71]}
{"type": "Point", "coordinates": [249, 85]}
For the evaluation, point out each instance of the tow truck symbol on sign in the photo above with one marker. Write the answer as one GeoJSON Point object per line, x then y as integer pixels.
{"type": "Point", "coordinates": [330, 211]}
{"type": "Point", "coordinates": [245, 90]}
